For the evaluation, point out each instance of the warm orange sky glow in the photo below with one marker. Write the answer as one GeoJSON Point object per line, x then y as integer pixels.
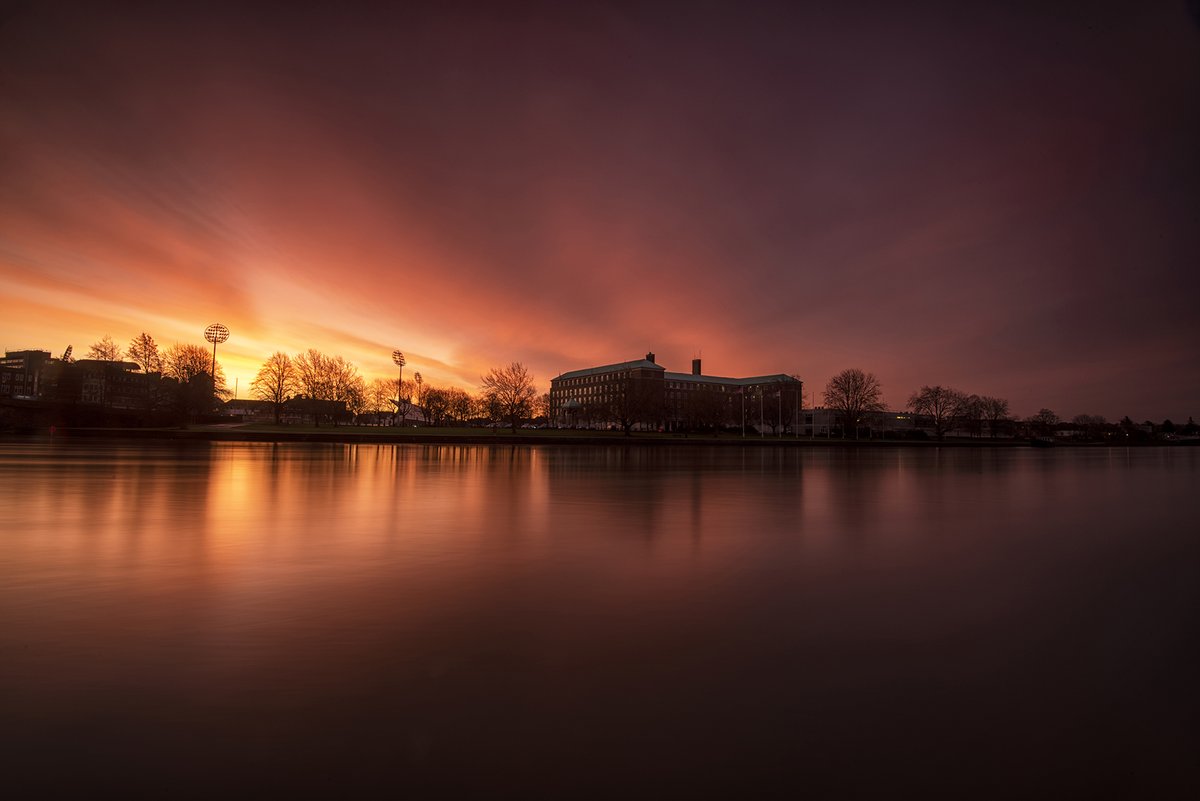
{"type": "Point", "coordinates": [1001, 201]}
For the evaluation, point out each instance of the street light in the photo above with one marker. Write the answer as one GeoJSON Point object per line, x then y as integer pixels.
{"type": "Point", "coordinates": [398, 360]}
{"type": "Point", "coordinates": [215, 333]}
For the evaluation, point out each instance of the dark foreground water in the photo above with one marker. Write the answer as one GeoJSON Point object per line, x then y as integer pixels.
{"type": "Point", "coordinates": [511, 622]}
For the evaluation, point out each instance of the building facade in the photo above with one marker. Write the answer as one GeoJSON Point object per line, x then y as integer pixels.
{"type": "Point", "coordinates": [21, 373]}
{"type": "Point", "coordinates": [643, 395]}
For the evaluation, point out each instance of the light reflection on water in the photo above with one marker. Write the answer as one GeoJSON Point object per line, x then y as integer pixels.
{"type": "Point", "coordinates": [675, 620]}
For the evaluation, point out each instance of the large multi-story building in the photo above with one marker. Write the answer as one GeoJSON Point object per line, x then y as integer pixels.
{"type": "Point", "coordinates": [643, 394]}
{"type": "Point", "coordinates": [21, 373]}
{"type": "Point", "coordinates": [34, 375]}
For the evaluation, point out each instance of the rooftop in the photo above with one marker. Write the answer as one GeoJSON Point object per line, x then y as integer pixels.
{"type": "Point", "coordinates": [776, 378]}
{"type": "Point", "coordinates": [644, 364]}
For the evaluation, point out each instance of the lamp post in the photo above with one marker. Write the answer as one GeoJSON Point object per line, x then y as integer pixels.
{"type": "Point", "coordinates": [215, 333]}
{"type": "Point", "coordinates": [398, 360]}
{"type": "Point", "coordinates": [420, 408]}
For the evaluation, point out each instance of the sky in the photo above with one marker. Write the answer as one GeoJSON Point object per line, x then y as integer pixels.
{"type": "Point", "coordinates": [999, 197]}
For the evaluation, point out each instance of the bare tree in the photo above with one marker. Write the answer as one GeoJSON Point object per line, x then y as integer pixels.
{"type": "Point", "coordinates": [1044, 422]}
{"type": "Point", "coordinates": [381, 396]}
{"type": "Point", "coordinates": [354, 393]}
{"type": "Point", "coordinates": [311, 378]}
{"type": "Point", "coordinates": [144, 351]}
{"type": "Point", "coordinates": [105, 350]}
{"type": "Point", "coordinates": [330, 378]}
{"type": "Point", "coordinates": [403, 401]}
{"type": "Point", "coordinates": [852, 393]}
{"type": "Point", "coordinates": [185, 363]}
{"type": "Point", "coordinates": [437, 405]}
{"type": "Point", "coordinates": [461, 404]}
{"type": "Point", "coordinates": [635, 399]}
{"type": "Point", "coordinates": [324, 377]}
{"type": "Point", "coordinates": [189, 366]}
{"type": "Point", "coordinates": [275, 382]}
{"type": "Point", "coordinates": [994, 411]}
{"type": "Point", "coordinates": [943, 405]}
{"type": "Point", "coordinates": [511, 390]}
{"type": "Point", "coordinates": [972, 415]}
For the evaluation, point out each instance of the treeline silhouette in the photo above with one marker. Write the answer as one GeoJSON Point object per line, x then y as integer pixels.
{"type": "Point", "coordinates": [147, 385]}
{"type": "Point", "coordinates": [856, 396]}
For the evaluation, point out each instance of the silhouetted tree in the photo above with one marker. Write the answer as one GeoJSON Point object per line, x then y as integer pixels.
{"type": "Point", "coordinates": [1168, 427]}
{"type": "Point", "coordinates": [1190, 428]}
{"type": "Point", "coordinates": [852, 393]}
{"type": "Point", "coordinates": [1089, 425]}
{"type": "Point", "coordinates": [105, 350]}
{"type": "Point", "coordinates": [461, 406]}
{"type": "Point", "coordinates": [330, 378]}
{"type": "Point", "coordinates": [186, 362]}
{"type": "Point", "coordinates": [404, 401]}
{"type": "Point", "coordinates": [994, 411]}
{"type": "Point", "coordinates": [143, 350]}
{"type": "Point", "coordinates": [355, 395]}
{"type": "Point", "coordinates": [381, 396]}
{"type": "Point", "coordinates": [275, 382]}
{"type": "Point", "coordinates": [511, 390]}
{"type": "Point", "coordinates": [942, 405]}
{"type": "Point", "coordinates": [1043, 422]}
{"type": "Point", "coordinates": [491, 409]}
{"type": "Point", "coordinates": [634, 400]}
{"type": "Point", "coordinates": [195, 390]}
{"type": "Point", "coordinates": [542, 407]}
{"type": "Point", "coordinates": [437, 406]}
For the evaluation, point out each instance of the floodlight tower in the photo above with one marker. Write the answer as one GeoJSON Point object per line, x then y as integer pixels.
{"type": "Point", "coordinates": [215, 333]}
{"type": "Point", "coordinates": [398, 360]}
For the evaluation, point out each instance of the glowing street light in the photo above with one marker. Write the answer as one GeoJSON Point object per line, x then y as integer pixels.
{"type": "Point", "coordinates": [398, 360]}
{"type": "Point", "coordinates": [215, 333]}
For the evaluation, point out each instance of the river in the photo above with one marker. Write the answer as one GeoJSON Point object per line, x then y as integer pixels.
{"type": "Point", "coordinates": [203, 619]}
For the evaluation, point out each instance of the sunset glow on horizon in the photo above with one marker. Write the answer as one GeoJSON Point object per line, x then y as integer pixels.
{"type": "Point", "coordinates": [1001, 200]}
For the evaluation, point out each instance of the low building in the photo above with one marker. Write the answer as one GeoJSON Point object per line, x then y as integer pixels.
{"type": "Point", "coordinates": [822, 422]}
{"type": "Point", "coordinates": [310, 410]}
{"type": "Point", "coordinates": [251, 411]}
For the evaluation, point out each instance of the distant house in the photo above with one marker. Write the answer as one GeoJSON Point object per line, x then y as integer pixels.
{"type": "Point", "coordinates": [822, 422]}
{"type": "Point", "coordinates": [310, 410]}
{"type": "Point", "coordinates": [251, 411]}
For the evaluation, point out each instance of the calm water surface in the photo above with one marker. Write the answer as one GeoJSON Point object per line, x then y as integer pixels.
{"type": "Point", "coordinates": [206, 619]}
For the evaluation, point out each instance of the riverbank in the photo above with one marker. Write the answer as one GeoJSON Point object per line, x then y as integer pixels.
{"type": "Point", "coordinates": [476, 436]}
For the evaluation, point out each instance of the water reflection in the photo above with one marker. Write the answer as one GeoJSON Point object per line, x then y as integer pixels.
{"type": "Point", "coordinates": [511, 619]}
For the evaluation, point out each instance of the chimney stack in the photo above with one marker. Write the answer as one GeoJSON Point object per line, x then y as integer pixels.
{"type": "Point", "coordinates": [695, 367]}
{"type": "Point", "coordinates": [650, 357]}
